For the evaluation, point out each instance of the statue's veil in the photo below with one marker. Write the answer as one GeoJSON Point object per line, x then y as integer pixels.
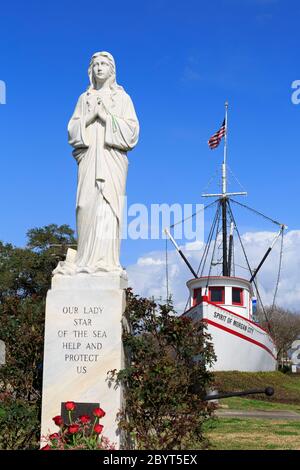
{"type": "Point", "coordinates": [112, 79]}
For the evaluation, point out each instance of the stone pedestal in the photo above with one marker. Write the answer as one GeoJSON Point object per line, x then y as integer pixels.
{"type": "Point", "coordinates": [83, 341]}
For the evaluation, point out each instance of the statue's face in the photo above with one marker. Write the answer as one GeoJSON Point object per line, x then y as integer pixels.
{"type": "Point", "coordinates": [101, 69]}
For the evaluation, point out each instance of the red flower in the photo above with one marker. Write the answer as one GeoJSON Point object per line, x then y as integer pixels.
{"type": "Point", "coordinates": [70, 405]}
{"type": "Point", "coordinates": [85, 419]}
{"type": "Point", "coordinates": [73, 428]}
{"type": "Point", "coordinates": [98, 428]}
{"type": "Point", "coordinates": [46, 447]}
{"type": "Point", "coordinates": [55, 435]}
{"type": "Point", "coordinates": [58, 420]}
{"type": "Point", "coordinates": [99, 412]}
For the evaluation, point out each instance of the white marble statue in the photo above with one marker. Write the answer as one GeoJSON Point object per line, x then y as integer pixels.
{"type": "Point", "coordinates": [102, 129]}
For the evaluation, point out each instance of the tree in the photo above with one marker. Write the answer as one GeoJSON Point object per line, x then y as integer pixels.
{"type": "Point", "coordinates": [284, 327]}
{"type": "Point", "coordinates": [25, 272]}
{"type": "Point", "coordinates": [165, 377]}
{"type": "Point", "coordinates": [44, 238]}
{"type": "Point", "coordinates": [25, 277]}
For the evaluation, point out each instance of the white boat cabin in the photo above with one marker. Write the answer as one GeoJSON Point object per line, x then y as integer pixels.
{"type": "Point", "coordinates": [231, 293]}
{"type": "Point", "coordinates": [225, 305]}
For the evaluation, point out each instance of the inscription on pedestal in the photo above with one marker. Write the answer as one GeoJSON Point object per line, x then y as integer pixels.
{"type": "Point", "coordinates": [81, 342]}
{"type": "Point", "coordinates": [83, 333]}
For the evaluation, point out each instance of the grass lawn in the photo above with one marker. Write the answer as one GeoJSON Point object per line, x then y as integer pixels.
{"type": "Point", "coordinates": [229, 433]}
{"type": "Point", "coordinates": [238, 403]}
{"type": "Point", "coordinates": [252, 434]}
{"type": "Point", "coordinates": [286, 386]}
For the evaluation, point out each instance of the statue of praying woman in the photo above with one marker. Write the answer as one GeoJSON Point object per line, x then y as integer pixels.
{"type": "Point", "coordinates": [103, 128]}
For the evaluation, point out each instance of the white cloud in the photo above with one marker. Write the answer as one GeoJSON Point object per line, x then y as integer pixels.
{"type": "Point", "coordinates": [148, 261]}
{"type": "Point", "coordinates": [190, 75]}
{"type": "Point", "coordinates": [191, 72]}
{"type": "Point", "coordinates": [192, 246]}
{"type": "Point", "coordinates": [148, 275]}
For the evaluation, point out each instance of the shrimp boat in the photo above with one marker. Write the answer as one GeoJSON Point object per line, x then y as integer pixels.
{"type": "Point", "coordinates": [226, 303]}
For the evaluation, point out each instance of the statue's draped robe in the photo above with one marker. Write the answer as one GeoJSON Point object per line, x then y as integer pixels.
{"type": "Point", "coordinates": [100, 150]}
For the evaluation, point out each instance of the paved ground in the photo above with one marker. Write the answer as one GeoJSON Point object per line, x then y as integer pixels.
{"type": "Point", "coordinates": [286, 415]}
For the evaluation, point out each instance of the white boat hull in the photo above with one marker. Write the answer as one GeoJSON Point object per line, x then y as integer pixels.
{"type": "Point", "coordinates": [239, 343]}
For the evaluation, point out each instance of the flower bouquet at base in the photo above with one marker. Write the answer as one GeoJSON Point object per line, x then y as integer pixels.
{"type": "Point", "coordinates": [84, 433]}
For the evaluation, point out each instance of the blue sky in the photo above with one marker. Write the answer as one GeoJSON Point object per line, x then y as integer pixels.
{"type": "Point", "coordinates": [179, 61]}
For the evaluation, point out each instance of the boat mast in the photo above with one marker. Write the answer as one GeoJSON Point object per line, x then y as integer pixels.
{"type": "Point", "coordinates": [224, 169]}
{"type": "Point", "coordinates": [224, 198]}
{"type": "Point", "coordinates": [230, 249]}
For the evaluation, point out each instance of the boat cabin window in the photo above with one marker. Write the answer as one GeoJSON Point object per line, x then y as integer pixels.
{"type": "Point", "coordinates": [237, 296]}
{"type": "Point", "coordinates": [217, 295]}
{"type": "Point", "coordinates": [197, 297]}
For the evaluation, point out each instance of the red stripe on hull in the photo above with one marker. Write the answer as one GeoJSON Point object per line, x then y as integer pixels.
{"type": "Point", "coordinates": [205, 300]}
{"type": "Point", "coordinates": [235, 333]}
{"type": "Point", "coordinates": [237, 315]}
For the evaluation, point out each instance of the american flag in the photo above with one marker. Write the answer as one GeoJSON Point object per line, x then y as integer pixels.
{"type": "Point", "coordinates": [216, 138]}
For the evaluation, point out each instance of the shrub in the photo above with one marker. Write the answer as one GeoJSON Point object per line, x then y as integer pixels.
{"type": "Point", "coordinates": [19, 424]}
{"type": "Point", "coordinates": [164, 379]}
{"type": "Point", "coordinates": [285, 369]}
{"type": "Point", "coordinates": [25, 277]}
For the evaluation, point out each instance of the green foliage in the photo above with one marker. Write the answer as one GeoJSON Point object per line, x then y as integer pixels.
{"type": "Point", "coordinates": [284, 368]}
{"type": "Point", "coordinates": [42, 239]}
{"type": "Point", "coordinates": [25, 276]}
{"type": "Point", "coordinates": [25, 272]}
{"type": "Point", "coordinates": [22, 330]}
{"type": "Point", "coordinates": [284, 327]}
{"type": "Point", "coordinates": [19, 424]}
{"type": "Point", "coordinates": [164, 383]}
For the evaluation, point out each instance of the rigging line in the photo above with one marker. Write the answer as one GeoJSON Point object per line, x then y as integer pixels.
{"type": "Point", "coordinates": [256, 212]}
{"type": "Point", "coordinates": [238, 182]}
{"type": "Point", "coordinates": [207, 246]}
{"type": "Point", "coordinates": [243, 267]}
{"type": "Point", "coordinates": [167, 271]}
{"type": "Point", "coordinates": [187, 302]}
{"type": "Point", "coordinates": [263, 308]}
{"type": "Point", "coordinates": [215, 227]}
{"type": "Point", "coordinates": [232, 252]}
{"type": "Point", "coordinates": [193, 215]}
{"type": "Point", "coordinates": [279, 269]}
{"type": "Point", "coordinates": [211, 180]}
{"type": "Point", "coordinates": [246, 258]}
{"type": "Point", "coordinates": [237, 231]}
{"type": "Point", "coordinates": [214, 248]}
{"type": "Point", "coordinates": [233, 259]}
